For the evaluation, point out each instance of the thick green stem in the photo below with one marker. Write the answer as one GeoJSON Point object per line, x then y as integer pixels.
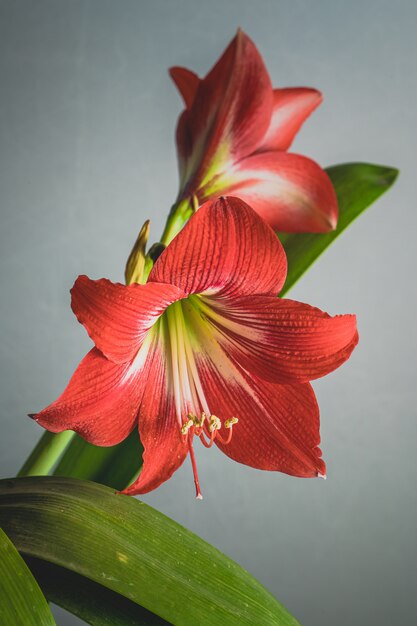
{"type": "Point", "coordinates": [46, 453]}
{"type": "Point", "coordinates": [179, 215]}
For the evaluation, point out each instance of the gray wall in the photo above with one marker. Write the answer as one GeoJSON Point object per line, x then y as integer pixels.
{"type": "Point", "coordinates": [87, 117]}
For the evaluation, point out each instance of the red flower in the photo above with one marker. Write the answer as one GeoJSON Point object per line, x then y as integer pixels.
{"type": "Point", "coordinates": [204, 349]}
{"type": "Point", "coordinates": [233, 136]}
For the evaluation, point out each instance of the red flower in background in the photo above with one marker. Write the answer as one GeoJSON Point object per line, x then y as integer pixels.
{"type": "Point", "coordinates": [233, 137]}
{"type": "Point", "coordinates": [204, 350]}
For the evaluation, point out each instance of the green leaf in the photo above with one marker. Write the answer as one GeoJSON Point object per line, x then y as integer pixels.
{"type": "Point", "coordinates": [115, 466]}
{"type": "Point", "coordinates": [88, 600]}
{"type": "Point", "coordinates": [357, 186]}
{"type": "Point", "coordinates": [21, 600]}
{"type": "Point", "coordinates": [128, 547]}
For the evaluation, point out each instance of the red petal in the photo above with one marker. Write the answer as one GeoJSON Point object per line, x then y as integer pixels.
{"type": "Point", "coordinates": [281, 340]}
{"type": "Point", "coordinates": [278, 430]}
{"type": "Point", "coordinates": [231, 110]}
{"type": "Point", "coordinates": [100, 402]}
{"type": "Point", "coordinates": [227, 248]}
{"type": "Point", "coordinates": [186, 82]}
{"type": "Point", "coordinates": [278, 426]}
{"type": "Point", "coordinates": [291, 108]}
{"type": "Point", "coordinates": [292, 193]}
{"type": "Point", "coordinates": [184, 148]}
{"type": "Point", "coordinates": [164, 447]}
{"type": "Point", "coordinates": [118, 317]}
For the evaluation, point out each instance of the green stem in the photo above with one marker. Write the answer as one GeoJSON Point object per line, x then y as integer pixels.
{"type": "Point", "coordinates": [179, 215]}
{"type": "Point", "coordinates": [46, 453]}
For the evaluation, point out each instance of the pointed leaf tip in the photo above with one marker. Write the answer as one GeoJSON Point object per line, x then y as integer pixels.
{"type": "Point", "coordinates": [357, 186]}
{"type": "Point", "coordinates": [390, 175]}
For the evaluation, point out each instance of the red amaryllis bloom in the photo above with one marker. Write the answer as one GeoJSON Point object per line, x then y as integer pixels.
{"type": "Point", "coordinates": [204, 350]}
{"type": "Point", "coordinates": [233, 136]}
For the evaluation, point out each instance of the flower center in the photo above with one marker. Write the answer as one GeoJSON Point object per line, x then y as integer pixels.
{"type": "Point", "coordinates": [185, 325]}
{"type": "Point", "coordinates": [207, 428]}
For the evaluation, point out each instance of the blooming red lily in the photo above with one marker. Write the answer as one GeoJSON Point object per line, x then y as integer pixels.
{"type": "Point", "coordinates": [204, 350]}
{"type": "Point", "coordinates": [233, 137]}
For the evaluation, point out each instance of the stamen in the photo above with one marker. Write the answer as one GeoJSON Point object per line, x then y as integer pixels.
{"type": "Point", "coordinates": [186, 394]}
{"type": "Point", "coordinates": [188, 391]}
{"type": "Point", "coordinates": [229, 425]}
{"type": "Point", "coordinates": [186, 427]}
{"type": "Point", "coordinates": [198, 423]}
{"type": "Point", "coordinates": [170, 316]}
{"type": "Point", "coordinates": [206, 444]}
{"type": "Point", "coordinates": [213, 428]}
{"type": "Point", "coordinates": [192, 368]}
{"type": "Point", "coordinates": [214, 424]}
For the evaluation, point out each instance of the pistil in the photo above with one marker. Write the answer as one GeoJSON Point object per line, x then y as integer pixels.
{"type": "Point", "coordinates": [198, 493]}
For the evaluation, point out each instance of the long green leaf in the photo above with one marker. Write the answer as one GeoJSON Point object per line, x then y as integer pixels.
{"type": "Point", "coordinates": [91, 602]}
{"type": "Point", "coordinates": [21, 600]}
{"type": "Point", "coordinates": [135, 551]}
{"type": "Point", "coordinates": [357, 186]}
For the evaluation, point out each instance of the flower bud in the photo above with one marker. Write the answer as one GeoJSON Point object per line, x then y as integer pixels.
{"type": "Point", "coordinates": [135, 266]}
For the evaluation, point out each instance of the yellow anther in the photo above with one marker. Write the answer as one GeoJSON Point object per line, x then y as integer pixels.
{"type": "Point", "coordinates": [229, 423]}
{"type": "Point", "coordinates": [186, 427]}
{"type": "Point", "coordinates": [199, 423]}
{"type": "Point", "coordinates": [215, 423]}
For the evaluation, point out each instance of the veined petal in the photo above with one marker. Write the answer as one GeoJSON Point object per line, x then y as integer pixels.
{"type": "Point", "coordinates": [291, 108]}
{"type": "Point", "coordinates": [186, 82]}
{"type": "Point", "coordinates": [117, 317]}
{"type": "Point", "coordinates": [278, 425]}
{"type": "Point", "coordinates": [101, 401]}
{"type": "Point", "coordinates": [291, 192]}
{"type": "Point", "coordinates": [224, 248]}
{"type": "Point", "coordinates": [283, 341]}
{"type": "Point", "coordinates": [165, 449]}
{"type": "Point", "coordinates": [230, 113]}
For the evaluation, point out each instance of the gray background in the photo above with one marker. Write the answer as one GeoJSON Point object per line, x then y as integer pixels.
{"type": "Point", "coordinates": [87, 116]}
